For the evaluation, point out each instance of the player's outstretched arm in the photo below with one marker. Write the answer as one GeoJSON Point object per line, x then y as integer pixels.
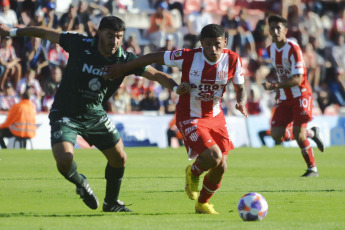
{"type": "Point", "coordinates": [166, 81]}
{"type": "Point", "coordinates": [32, 31]}
{"type": "Point", "coordinates": [118, 70]}
{"type": "Point", "coordinates": [241, 99]}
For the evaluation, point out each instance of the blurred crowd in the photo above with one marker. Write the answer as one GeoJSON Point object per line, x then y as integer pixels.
{"type": "Point", "coordinates": [317, 26]}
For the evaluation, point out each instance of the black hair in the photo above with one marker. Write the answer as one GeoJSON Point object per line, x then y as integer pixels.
{"type": "Point", "coordinates": [113, 23]}
{"type": "Point", "coordinates": [277, 18]}
{"type": "Point", "coordinates": [212, 31]}
{"type": "Point", "coordinates": [27, 92]}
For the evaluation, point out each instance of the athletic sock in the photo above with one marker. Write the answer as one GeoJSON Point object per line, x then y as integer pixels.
{"type": "Point", "coordinates": [307, 153]}
{"type": "Point", "coordinates": [288, 135]}
{"type": "Point", "coordinates": [196, 169]}
{"type": "Point", "coordinates": [73, 176]}
{"type": "Point", "coordinates": [207, 191]}
{"type": "Point", "coordinates": [114, 178]}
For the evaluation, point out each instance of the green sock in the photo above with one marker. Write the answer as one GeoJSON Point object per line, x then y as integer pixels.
{"type": "Point", "coordinates": [73, 176]}
{"type": "Point", "coordinates": [114, 178]}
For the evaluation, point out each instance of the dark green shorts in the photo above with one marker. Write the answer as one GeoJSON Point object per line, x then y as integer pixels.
{"type": "Point", "coordinates": [96, 130]}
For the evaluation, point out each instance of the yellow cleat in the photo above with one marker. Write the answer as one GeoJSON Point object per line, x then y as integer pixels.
{"type": "Point", "coordinates": [205, 208]}
{"type": "Point", "coordinates": [192, 183]}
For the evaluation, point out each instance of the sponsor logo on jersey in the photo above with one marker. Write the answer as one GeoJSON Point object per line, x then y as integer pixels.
{"type": "Point", "coordinates": [87, 40]}
{"type": "Point", "coordinates": [91, 70]}
{"type": "Point", "coordinates": [190, 121]}
{"type": "Point", "coordinates": [195, 73]}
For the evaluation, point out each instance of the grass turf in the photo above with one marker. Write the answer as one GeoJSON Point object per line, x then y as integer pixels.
{"type": "Point", "coordinates": [33, 195]}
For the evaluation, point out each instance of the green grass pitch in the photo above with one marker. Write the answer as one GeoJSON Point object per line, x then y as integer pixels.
{"type": "Point", "coordinates": [33, 195]}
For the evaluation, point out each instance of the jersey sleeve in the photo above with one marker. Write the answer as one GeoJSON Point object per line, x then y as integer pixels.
{"type": "Point", "coordinates": [238, 78]}
{"type": "Point", "coordinates": [71, 41]}
{"type": "Point", "coordinates": [297, 63]}
{"type": "Point", "coordinates": [174, 58]}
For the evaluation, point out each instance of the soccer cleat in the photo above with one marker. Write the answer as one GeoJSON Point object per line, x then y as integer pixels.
{"type": "Point", "coordinates": [87, 195]}
{"type": "Point", "coordinates": [192, 183]}
{"type": "Point", "coordinates": [119, 206]}
{"type": "Point", "coordinates": [205, 208]}
{"type": "Point", "coordinates": [310, 173]}
{"type": "Point", "coordinates": [317, 139]}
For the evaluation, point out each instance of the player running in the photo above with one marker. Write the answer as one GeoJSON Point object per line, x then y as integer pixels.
{"type": "Point", "coordinates": [293, 91]}
{"type": "Point", "coordinates": [199, 117]}
{"type": "Point", "coordinates": [78, 105]}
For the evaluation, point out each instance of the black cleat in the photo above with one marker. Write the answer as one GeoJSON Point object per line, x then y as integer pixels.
{"type": "Point", "coordinates": [317, 139]}
{"type": "Point", "coordinates": [119, 206]}
{"type": "Point", "coordinates": [87, 195]}
{"type": "Point", "coordinates": [310, 173]}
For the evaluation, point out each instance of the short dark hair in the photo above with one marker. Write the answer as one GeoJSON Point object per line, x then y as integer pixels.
{"type": "Point", "coordinates": [113, 23]}
{"type": "Point", "coordinates": [212, 31]}
{"type": "Point", "coordinates": [277, 18]}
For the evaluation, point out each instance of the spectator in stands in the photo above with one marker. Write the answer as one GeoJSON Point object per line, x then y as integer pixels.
{"type": "Point", "coordinates": [161, 24]}
{"type": "Point", "coordinates": [231, 28]}
{"type": "Point", "coordinates": [120, 102]}
{"type": "Point", "coordinates": [9, 97]}
{"type": "Point", "coordinates": [70, 21]}
{"type": "Point", "coordinates": [174, 5]}
{"type": "Point", "coordinates": [253, 102]}
{"type": "Point", "coordinates": [50, 87]}
{"type": "Point", "coordinates": [338, 26]}
{"type": "Point", "coordinates": [20, 121]}
{"type": "Point", "coordinates": [30, 80]}
{"type": "Point", "coordinates": [169, 45]}
{"type": "Point", "coordinates": [131, 45]}
{"type": "Point", "coordinates": [197, 20]}
{"type": "Point", "coordinates": [83, 13]}
{"type": "Point", "coordinates": [336, 53]}
{"type": "Point", "coordinates": [57, 55]}
{"type": "Point", "coordinates": [169, 104]}
{"type": "Point", "coordinates": [150, 102]}
{"type": "Point", "coordinates": [137, 91]}
{"type": "Point", "coordinates": [37, 58]}
{"type": "Point", "coordinates": [336, 87]}
{"type": "Point", "coordinates": [9, 59]}
{"type": "Point", "coordinates": [50, 17]}
{"type": "Point", "coordinates": [25, 12]}
{"type": "Point", "coordinates": [7, 16]}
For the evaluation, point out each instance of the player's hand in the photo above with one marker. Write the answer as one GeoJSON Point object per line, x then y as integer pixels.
{"type": "Point", "coordinates": [4, 30]}
{"type": "Point", "coordinates": [113, 71]}
{"type": "Point", "coordinates": [242, 109]}
{"type": "Point", "coordinates": [268, 85]}
{"type": "Point", "coordinates": [183, 88]}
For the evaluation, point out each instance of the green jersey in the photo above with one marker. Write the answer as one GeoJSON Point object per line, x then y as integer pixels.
{"type": "Point", "coordinates": [83, 90]}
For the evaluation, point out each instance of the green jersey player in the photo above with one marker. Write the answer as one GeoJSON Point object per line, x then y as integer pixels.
{"type": "Point", "coordinates": [78, 106]}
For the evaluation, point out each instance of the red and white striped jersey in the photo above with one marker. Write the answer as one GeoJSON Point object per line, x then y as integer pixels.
{"type": "Point", "coordinates": [208, 80]}
{"type": "Point", "coordinates": [288, 61]}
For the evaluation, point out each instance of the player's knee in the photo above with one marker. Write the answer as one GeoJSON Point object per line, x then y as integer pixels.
{"type": "Point", "coordinates": [216, 159]}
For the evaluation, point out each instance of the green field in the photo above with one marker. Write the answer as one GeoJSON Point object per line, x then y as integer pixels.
{"type": "Point", "coordinates": [33, 195]}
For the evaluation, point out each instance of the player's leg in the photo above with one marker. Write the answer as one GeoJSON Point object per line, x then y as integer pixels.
{"type": "Point", "coordinates": [63, 153]}
{"type": "Point", "coordinates": [63, 138]}
{"type": "Point", "coordinates": [114, 172]}
{"type": "Point", "coordinates": [306, 150]}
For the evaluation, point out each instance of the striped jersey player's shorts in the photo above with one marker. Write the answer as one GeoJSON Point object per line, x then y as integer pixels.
{"type": "Point", "coordinates": [200, 134]}
{"type": "Point", "coordinates": [297, 110]}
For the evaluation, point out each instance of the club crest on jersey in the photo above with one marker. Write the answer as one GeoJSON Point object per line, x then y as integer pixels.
{"type": "Point", "coordinates": [286, 61]}
{"type": "Point", "coordinates": [222, 75]}
{"type": "Point", "coordinates": [94, 84]}
{"type": "Point", "coordinates": [178, 53]}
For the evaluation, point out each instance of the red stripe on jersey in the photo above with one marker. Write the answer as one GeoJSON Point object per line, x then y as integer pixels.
{"type": "Point", "coordinates": [208, 78]}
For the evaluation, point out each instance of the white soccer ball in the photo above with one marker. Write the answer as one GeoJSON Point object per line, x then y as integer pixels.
{"type": "Point", "coordinates": [94, 84]}
{"type": "Point", "coordinates": [252, 207]}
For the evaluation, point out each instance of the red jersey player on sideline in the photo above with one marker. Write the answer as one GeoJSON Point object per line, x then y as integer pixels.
{"type": "Point", "coordinates": [207, 70]}
{"type": "Point", "coordinates": [293, 91]}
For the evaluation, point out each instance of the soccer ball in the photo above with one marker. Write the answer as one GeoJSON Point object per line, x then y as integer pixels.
{"type": "Point", "coordinates": [252, 207]}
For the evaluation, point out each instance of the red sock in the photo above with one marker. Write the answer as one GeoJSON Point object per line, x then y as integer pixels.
{"type": "Point", "coordinates": [196, 169]}
{"type": "Point", "coordinates": [307, 153]}
{"type": "Point", "coordinates": [288, 135]}
{"type": "Point", "coordinates": [207, 191]}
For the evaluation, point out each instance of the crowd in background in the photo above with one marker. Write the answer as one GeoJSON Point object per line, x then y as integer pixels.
{"type": "Point", "coordinates": [317, 26]}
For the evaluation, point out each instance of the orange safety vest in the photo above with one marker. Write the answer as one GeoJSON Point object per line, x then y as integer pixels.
{"type": "Point", "coordinates": [21, 119]}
